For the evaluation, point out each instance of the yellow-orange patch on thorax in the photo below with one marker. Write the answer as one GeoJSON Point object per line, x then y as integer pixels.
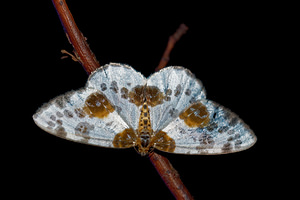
{"type": "Point", "coordinates": [145, 132]}
{"type": "Point", "coordinates": [144, 122]}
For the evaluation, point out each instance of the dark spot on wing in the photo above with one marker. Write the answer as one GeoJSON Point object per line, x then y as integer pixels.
{"type": "Point", "coordinates": [188, 92]}
{"type": "Point", "coordinates": [177, 90]}
{"type": "Point", "coordinates": [124, 93]}
{"type": "Point", "coordinates": [59, 114]}
{"type": "Point", "coordinates": [80, 113]}
{"type": "Point", "coordinates": [68, 113]}
{"type": "Point", "coordinates": [212, 126]}
{"type": "Point", "coordinates": [168, 92]}
{"type": "Point", "coordinates": [173, 112]}
{"type": "Point", "coordinates": [227, 147]}
{"type": "Point", "coordinates": [52, 117]}
{"type": "Point", "coordinates": [233, 121]}
{"type": "Point", "coordinates": [83, 128]}
{"type": "Point", "coordinates": [167, 98]}
{"type": "Point", "coordinates": [118, 109]}
{"type": "Point", "coordinates": [60, 131]}
{"type": "Point", "coordinates": [50, 123]}
{"type": "Point", "coordinates": [114, 87]}
{"type": "Point", "coordinates": [238, 143]}
{"type": "Point", "coordinates": [59, 101]}
{"type": "Point", "coordinates": [103, 86]}
{"type": "Point", "coordinates": [59, 122]}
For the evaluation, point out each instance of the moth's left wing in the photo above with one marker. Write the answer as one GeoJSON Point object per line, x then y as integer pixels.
{"type": "Point", "coordinates": [208, 128]}
{"type": "Point", "coordinates": [85, 116]}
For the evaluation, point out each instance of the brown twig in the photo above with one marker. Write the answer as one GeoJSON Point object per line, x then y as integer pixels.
{"type": "Point", "coordinates": [86, 57]}
{"type": "Point", "coordinates": [163, 166]}
{"type": "Point", "coordinates": [171, 43]}
{"type": "Point", "coordinates": [170, 176]}
{"type": "Point", "coordinates": [82, 50]}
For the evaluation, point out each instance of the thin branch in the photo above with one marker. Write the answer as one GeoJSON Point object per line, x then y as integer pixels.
{"type": "Point", "coordinates": [86, 57]}
{"type": "Point", "coordinates": [81, 49]}
{"type": "Point", "coordinates": [170, 176]}
{"type": "Point", "coordinates": [171, 43]}
{"type": "Point", "coordinates": [163, 166]}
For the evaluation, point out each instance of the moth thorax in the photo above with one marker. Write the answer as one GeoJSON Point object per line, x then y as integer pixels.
{"type": "Point", "coordinates": [144, 141]}
{"type": "Point", "coordinates": [145, 131]}
{"type": "Point", "coordinates": [145, 137]}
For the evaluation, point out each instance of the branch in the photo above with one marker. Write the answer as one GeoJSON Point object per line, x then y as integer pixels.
{"type": "Point", "coordinates": [88, 60]}
{"type": "Point", "coordinates": [170, 176]}
{"type": "Point", "coordinates": [81, 49]}
{"type": "Point", "coordinates": [171, 43]}
{"type": "Point", "coordinates": [163, 166]}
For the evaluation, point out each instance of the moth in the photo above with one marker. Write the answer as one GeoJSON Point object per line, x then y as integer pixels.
{"type": "Point", "coordinates": [120, 108]}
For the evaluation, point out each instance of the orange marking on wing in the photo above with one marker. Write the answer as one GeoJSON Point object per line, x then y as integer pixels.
{"type": "Point", "coordinates": [154, 96]}
{"type": "Point", "coordinates": [163, 142]}
{"type": "Point", "coordinates": [136, 95]}
{"type": "Point", "coordinates": [151, 94]}
{"type": "Point", "coordinates": [97, 105]}
{"type": "Point", "coordinates": [195, 116]}
{"type": "Point", "coordinates": [125, 139]}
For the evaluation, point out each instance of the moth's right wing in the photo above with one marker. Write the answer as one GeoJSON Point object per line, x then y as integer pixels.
{"type": "Point", "coordinates": [208, 128]}
{"type": "Point", "coordinates": [177, 88]}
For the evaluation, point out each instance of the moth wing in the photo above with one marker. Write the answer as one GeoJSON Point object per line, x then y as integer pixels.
{"type": "Point", "coordinates": [224, 133]}
{"type": "Point", "coordinates": [179, 88]}
{"type": "Point", "coordinates": [116, 82]}
{"type": "Point", "coordinates": [72, 116]}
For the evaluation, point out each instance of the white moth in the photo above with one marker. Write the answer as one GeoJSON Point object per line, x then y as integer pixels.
{"type": "Point", "coordinates": [120, 108]}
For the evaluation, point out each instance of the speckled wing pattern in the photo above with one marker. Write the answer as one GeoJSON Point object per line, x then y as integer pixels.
{"type": "Point", "coordinates": [225, 133]}
{"type": "Point", "coordinates": [106, 113]}
{"type": "Point", "coordinates": [180, 88]}
{"type": "Point", "coordinates": [116, 81]}
{"type": "Point", "coordinates": [217, 131]}
{"type": "Point", "coordinates": [71, 116]}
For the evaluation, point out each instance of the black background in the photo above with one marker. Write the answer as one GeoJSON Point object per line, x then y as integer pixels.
{"type": "Point", "coordinates": [226, 46]}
